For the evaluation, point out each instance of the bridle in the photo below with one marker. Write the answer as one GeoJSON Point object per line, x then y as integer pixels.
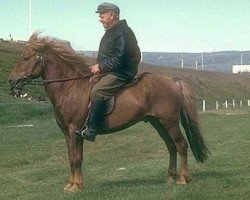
{"type": "Point", "coordinates": [40, 61]}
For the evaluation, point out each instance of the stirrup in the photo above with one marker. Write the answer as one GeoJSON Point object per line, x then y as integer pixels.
{"type": "Point", "coordinates": [88, 137]}
{"type": "Point", "coordinates": [83, 134]}
{"type": "Point", "coordinates": [81, 131]}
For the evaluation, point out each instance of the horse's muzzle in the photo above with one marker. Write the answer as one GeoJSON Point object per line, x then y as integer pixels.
{"type": "Point", "coordinates": [19, 83]}
{"type": "Point", "coordinates": [15, 84]}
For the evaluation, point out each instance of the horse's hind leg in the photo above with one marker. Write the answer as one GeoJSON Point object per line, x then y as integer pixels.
{"type": "Point", "coordinates": [181, 145]}
{"type": "Point", "coordinates": [171, 148]}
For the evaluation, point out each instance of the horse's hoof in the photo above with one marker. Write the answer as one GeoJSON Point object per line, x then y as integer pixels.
{"type": "Point", "coordinates": [183, 181]}
{"type": "Point", "coordinates": [73, 188]}
{"type": "Point", "coordinates": [170, 179]}
{"type": "Point", "coordinates": [68, 187]}
{"type": "Point", "coordinates": [180, 182]}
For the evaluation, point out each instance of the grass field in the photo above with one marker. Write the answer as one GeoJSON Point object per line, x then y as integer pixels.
{"type": "Point", "coordinates": [127, 165]}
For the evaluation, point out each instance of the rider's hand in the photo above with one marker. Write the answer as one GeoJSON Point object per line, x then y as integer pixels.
{"type": "Point", "coordinates": [94, 69]}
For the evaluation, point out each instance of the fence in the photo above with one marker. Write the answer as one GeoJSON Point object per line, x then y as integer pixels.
{"type": "Point", "coordinates": [216, 105]}
{"type": "Point", "coordinates": [202, 105]}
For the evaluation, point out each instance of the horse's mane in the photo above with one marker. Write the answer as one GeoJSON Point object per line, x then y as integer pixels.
{"type": "Point", "coordinates": [62, 49]}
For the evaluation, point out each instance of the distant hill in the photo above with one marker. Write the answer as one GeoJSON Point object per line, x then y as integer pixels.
{"type": "Point", "coordinates": [209, 85]}
{"type": "Point", "coordinates": [213, 61]}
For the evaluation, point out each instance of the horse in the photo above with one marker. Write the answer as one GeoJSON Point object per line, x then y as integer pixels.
{"type": "Point", "coordinates": [162, 101]}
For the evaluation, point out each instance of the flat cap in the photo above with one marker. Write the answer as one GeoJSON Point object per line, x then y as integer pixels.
{"type": "Point", "coordinates": [107, 7]}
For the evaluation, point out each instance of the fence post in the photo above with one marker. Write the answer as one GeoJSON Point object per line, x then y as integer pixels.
{"type": "Point", "coordinates": [248, 102]}
{"type": "Point", "coordinates": [240, 103]}
{"type": "Point", "coordinates": [216, 105]}
{"type": "Point", "coordinates": [226, 103]}
{"type": "Point", "coordinates": [203, 105]}
{"type": "Point", "coordinates": [233, 103]}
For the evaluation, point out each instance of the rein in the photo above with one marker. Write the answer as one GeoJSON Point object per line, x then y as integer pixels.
{"type": "Point", "coordinates": [41, 82]}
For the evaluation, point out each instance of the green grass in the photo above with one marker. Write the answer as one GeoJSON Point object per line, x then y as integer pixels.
{"type": "Point", "coordinates": [34, 162]}
{"type": "Point", "coordinates": [22, 111]}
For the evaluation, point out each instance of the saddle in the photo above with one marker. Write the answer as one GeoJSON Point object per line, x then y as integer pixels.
{"type": "Point", "coordinates": [111, 101]}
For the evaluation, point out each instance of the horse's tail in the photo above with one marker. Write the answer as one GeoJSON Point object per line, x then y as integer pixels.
{"type": "Point", "coordinates": [190, 122]}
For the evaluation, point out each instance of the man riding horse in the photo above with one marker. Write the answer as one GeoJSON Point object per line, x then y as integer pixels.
{"type": "Point", "coordinates": [117, 62]}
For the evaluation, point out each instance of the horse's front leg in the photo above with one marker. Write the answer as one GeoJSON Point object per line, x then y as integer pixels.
{"type": "Point", "coordinates": [75, 152]}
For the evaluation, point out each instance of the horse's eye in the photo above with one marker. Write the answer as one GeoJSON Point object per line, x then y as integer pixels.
{"type": "Point", "coordinates": [24, 58]}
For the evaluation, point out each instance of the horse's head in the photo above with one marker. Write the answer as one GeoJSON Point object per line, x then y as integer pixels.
{"type": "Point", "coordinates": [30, 66]}
{"type": "Point", "coordinates": [61, 61]}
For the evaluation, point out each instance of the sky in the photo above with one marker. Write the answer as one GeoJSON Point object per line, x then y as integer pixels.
{"type": "Point", "coordinates": [159, 25]}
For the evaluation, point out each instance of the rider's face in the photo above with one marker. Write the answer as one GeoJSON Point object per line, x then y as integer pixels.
{"type": "Point", "coordinates": [107, 19]}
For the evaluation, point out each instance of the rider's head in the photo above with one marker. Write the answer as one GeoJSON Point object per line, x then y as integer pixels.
{"type": "Point", "coordinates": [108, 14]}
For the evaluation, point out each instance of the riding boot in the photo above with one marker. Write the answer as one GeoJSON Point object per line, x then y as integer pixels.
{"type": "Point", "coordinates": [95, 121]}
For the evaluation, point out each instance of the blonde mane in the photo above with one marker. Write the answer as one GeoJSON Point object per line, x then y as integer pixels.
{"type": "Point", "coordinates": [62, 49]}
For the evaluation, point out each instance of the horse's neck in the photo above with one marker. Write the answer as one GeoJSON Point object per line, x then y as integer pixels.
{"type": "Point", "coordinates": [57, 91]}
{"type": "Point", "coordinates": [57, 69]}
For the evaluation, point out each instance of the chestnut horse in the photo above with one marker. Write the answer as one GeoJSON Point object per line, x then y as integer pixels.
{"type": "Point", "coordinates": [157, 99]}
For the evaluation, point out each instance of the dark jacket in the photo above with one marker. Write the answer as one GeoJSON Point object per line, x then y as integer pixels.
{"type": "Point", "coordinates": [119, 53]}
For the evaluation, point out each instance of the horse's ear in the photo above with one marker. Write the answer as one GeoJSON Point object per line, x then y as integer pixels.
{"type": "Point", "coordinates": [37, 42]}
{"type": "Point", "coordinates": [34, 37]}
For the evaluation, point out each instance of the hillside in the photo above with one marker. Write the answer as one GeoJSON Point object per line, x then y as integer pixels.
{"type": "Point", "coordinates": [212, 61]}
{"type": "Point", "coordinates": [207, 85]}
